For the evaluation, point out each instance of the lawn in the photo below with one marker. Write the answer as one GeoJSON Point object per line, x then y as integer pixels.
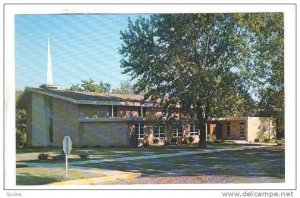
{"type": "Point", "coordinates": [245, 166]}
{"type": "Point", "coordinates": [255, 165]}
{"type": "Point", "coordinates": [47, 175]}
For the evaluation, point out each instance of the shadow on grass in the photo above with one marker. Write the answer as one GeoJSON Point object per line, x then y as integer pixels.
{"type": "Point", "coordinates": [21, 165]}
{"type": "Point", "coordinates": [27, 179]}
{"type": "Point", "coordinates": [252, 163]}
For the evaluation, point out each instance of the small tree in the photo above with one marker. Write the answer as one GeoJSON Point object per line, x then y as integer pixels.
{"type": "Point", "coordinates": [125, 87]}
{"type": "Point", "coordinates": [75, 88]}
{"type": "Point", "coordinates": [133, 141]}
{"type": "Point", "coordinates": [21, 135]}
{"type": "Point", "coordinates": [91, 86]}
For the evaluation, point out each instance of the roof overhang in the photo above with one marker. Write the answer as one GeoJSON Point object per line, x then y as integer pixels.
{"type": "Point", "coordinates": [23, 98]}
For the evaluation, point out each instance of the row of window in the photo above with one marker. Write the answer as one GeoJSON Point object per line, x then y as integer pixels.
{"type": "Point", "coordinates": [112, 111]}
{"type": "Point", "coordinates": [159, 131]}
{"type": "Point", "coordinates": [242, 129]}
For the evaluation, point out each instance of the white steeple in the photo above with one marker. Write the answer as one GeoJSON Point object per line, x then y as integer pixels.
{"type": "Point", "coordinates": [49, 66]}
{"type": "Point", "coordinates": [49, 83]}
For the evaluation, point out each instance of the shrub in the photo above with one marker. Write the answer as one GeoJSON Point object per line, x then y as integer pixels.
{"type": "Point", "coordinates": [43, 156]}
{"type": "Point", "coordinates": [191, 139]}
{"type": "Point", "coordinates": [256, 140]}
{"type": "Point", "coordinates": [279, 142]}
{"type": "Point", "coordinates": [266, 140]}
{"type": "Point", "coordinates": [174, 141]}
{"type": "Point", "coordinates": [146, 143]}
{"type": "Point", "coordinates": [21, 138]}
{"type": "Point", "coordinates": [133, 141]}
{"type": "Point", "coordinates": [60, 156]}
{"type": "Point", "coordinates": [155, 141]}
{"type": "Point", "coordinates": [21, 135]}
{"type": "Point", "coordinates": [84, 155]}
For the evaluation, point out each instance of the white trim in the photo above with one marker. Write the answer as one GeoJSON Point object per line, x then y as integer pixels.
{"type": "Point", "coordinates": [139, 130]}
{"type": "Point", "coordinates": [176, 129]}
{"type": "Point", "coordinates": [161, 130]}
{"type": "Point", "coordinates": [194, 131]}
{"type": "Point", "coordinates": [94, 102]}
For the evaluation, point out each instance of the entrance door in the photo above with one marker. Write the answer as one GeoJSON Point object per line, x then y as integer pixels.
{"type": "Point", "coordinates": [242, 130]}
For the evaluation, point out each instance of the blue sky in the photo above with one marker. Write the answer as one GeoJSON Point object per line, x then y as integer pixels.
{"type": "Point", "coordinates": [82, 47]}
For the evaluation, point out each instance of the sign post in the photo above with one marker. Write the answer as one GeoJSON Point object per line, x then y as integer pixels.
{"type": "Point", "coordinates": [67, 147]}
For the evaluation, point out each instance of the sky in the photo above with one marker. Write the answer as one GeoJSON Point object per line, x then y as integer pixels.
{"type": "Point", "coordinates": [82, 47]}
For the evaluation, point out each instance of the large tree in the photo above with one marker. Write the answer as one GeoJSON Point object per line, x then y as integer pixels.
{"type": "Point", "coordinates": [269, 33]}
{"type": "Point", "coordinates": [197, 65]}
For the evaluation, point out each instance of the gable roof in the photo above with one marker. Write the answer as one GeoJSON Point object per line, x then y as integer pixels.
{"type": "Point", "coordinates": [91, 98]}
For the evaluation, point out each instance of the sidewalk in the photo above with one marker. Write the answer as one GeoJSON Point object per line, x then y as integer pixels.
{"type": "Point", "coordinates": [122, 159]}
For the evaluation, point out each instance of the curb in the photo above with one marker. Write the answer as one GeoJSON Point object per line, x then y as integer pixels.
{"type": "Point", "coordinates": [99, 180]}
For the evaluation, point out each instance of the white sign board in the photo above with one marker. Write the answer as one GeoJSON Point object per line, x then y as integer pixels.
{"type": "Point", "coordinates": [67, 145]}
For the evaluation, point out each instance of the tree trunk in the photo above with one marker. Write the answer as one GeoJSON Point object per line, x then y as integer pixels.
{"type": "Point", "coordinates": [202, 135]}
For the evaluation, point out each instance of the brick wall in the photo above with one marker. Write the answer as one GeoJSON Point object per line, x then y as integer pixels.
{"type": "Point", "coordinates": [234, 129]}
{"type": "Point", "coordinates": [65, 122]}
{"type": "Point", "coordinates": [104, 134]}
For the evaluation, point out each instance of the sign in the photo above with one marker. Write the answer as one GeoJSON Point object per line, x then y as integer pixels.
{"type": "Point", "coordinates": [67, 145]}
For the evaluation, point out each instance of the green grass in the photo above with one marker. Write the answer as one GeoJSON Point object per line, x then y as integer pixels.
{"type": "Point", "coordinates": [21, 165]}
{"type": "Point", "coordinates": [241, 164]}
{"type": "Point", "coordinates": [34, 180]}
{"type": "Point", "coordinates": [42, 175]}
{"type": "Point", "coordinates": [112, 153]}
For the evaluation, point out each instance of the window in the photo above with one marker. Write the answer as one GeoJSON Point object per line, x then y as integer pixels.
{"type": "Point", "coordinates": [228, 129]}
{"type": "Point", "coordinates": [142, 111]}
{"type": "Point", "coordinates": [112, 111]}
{"type": "Point", "coordinates": [194, 130]}
{"type": "Point", "coordinates": [177, 131]}
{"type": "Point", "coordinates": [139, 130]}
{"type": "Point", "coordinates": [159, 132]}
{"type": "Point", "coordinates": [242, 129]}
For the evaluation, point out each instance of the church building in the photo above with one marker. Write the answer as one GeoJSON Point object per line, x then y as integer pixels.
{"type": "Point", "coordinates": [106, 120]}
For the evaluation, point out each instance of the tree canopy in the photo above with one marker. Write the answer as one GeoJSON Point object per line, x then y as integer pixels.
{"type": "Point", "coordinates": [91, 86]}
{"type": "Point", "coordinates": [200, 65]}
{"type": "Point", "coordinates": [269, 32]}
{"type": "Point", "coordinates": [125, 87]}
